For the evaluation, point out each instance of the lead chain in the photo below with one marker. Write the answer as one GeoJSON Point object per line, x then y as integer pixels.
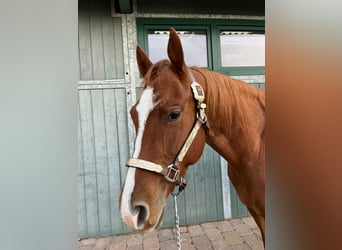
{"type": "Point", "coordinates": [178, 236]}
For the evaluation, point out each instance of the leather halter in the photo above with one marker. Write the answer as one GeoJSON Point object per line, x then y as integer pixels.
{"type": "Point", "coordinates": [171, 172]}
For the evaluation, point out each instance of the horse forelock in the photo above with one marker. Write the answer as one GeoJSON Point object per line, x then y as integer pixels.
{"type": "Point", "coordinates": [154, 71]}
{"type": "Point", "coordinates": [163, 66]}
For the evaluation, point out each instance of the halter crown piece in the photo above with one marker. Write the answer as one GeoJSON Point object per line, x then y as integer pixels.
{"type": "Point", "coordinates": [171, 172]}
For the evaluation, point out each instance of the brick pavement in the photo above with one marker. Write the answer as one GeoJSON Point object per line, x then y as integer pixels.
{"type": "Point", "coordinates": [234, 234]}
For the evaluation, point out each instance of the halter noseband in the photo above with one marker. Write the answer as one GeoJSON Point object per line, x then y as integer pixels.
{"type": "Point", "coordinates": [171, 172]}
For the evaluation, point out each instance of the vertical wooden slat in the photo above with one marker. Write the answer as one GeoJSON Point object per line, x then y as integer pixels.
{"type": "Point", "coordinates": [82, 209]}
{"type": "Point", "coordinates": [123, 142]}
{"type": "Point", "coordinates": [200, 189]}
{"type": "Point", "coordinates": [218, 183]}
{"type": "Point", "coordinates": [120, 102]}
{"type": "Point", "coordinates": [90, 179]}
{"type": "Point", "coordinates": [109, 48]}
{"type": "Point", "coordinates": [86, 70]}
{"type": "Point", "coordinates": [169, 214]}
{"type": "Point", "coordinates": [113, 158]}
{"type": "Point", "coordinates": [210, 187]}
{"type": "Point", "coordinates": [100, 143]}
{"type": "Point", "coordinates": [190, 196]}
{"type": "Point", "coordinates": [118, 44]}
{"type": "Point", "coordinates": [97, 46]}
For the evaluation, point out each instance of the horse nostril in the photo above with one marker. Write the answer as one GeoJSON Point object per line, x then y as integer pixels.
{"type": "Point", "coordinates": [142, 216]}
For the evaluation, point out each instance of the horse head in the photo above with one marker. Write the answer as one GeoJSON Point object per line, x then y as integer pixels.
{"type": "Point", "coordinates": [163, 117]}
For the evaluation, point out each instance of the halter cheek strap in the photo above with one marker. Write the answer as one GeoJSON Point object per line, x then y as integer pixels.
{"type": "Point", "coordinates": [171, 172]}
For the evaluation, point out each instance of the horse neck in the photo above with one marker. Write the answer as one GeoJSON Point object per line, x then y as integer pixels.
{"type": "Point", "coordinates": [235, 113]}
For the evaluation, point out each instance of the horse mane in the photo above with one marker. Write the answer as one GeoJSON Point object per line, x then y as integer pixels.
{"type": "Point", "coordinates": [235, 101]}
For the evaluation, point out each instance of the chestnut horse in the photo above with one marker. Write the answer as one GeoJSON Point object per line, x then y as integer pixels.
{"type": "Point", "coordinates": [174, 119]}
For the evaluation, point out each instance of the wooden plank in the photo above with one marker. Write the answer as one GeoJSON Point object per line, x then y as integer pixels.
{"type": "Point", "coordinates": [190, 196]}
{"type": "Point", "coordinates": [109, 48]}
{"type": "Point", "coordinates": [123, 141]}
{"type": "Point", "coordinates": [238, 209]}
{"type": "Point", "coordinates": [104, 205]}
{"type": "Point", "coordinates": [89, 162]}
{"type": "Point", "coordinates": [169, 213]}
{"type": "Point", "coordinates": [216, 159]}
{"type": "Point", "coordinates": [121, 113]}
{"type": "Point", "coordinates": [113, 158]}
{"type": "Point", "coordinates": [82, 209]}
{"type": "Point", "coordinates": [97, 46]}
{"type": "Point", "coordinates": [210, 187]}
{"type": "Point", "coordinates": [118, 45]}
{"type": "Point", "coordinates": [200, 189]}
{"type": "Point", "coordinates": [86, 69]}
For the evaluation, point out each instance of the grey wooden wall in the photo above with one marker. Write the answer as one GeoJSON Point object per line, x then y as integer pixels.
{"type": "Point", "coordinates": [103, 140]}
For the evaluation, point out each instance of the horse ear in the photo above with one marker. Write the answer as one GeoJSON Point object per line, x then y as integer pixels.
{"type": "Point", "coordinates": [143, 61]}
{"type": "Point", "coordinates": [175, 51]}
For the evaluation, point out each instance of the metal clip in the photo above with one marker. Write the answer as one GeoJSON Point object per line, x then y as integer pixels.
{"type": "Point", "coordinates": [174, 173]}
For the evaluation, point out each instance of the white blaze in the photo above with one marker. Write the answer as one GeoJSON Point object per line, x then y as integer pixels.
{"type": "Point", "coordinates": [144, 108]}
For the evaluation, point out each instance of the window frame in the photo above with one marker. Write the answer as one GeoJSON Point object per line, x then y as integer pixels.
{"type": "Point", "coordinates": [213, 28]}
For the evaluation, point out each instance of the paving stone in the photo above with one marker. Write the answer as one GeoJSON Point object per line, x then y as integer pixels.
{"type": "Point", "coordinates": [87, 242]}
{"type": "Point", "coordinates": [134, 240]}
{"type": "Point", "coordinates": [151, 243]}
{"type": "Point", "coordinates": [201, 242]}
{"type": "Point", "coordinates": [103, 243]}
{"type": "Point", "coordinates": [119, 238]}
{"type": "Point", "coordinates": [253, 241]}
{"type": "Point", "coordinates": [234, 222]}
{"type": "Point", "coordinates": [208, 225]}
{"type": "Point", "coordinates": [185, 238]}
{"type": "Point", "coordinates": [241, 247]}
{"type": "Point", "coordinates": [168, 245]}
{"type": "Point", "coordinates": [249, 221]}
{"type": "Point", "coordinates": [213, 233]}
{"type": "Point", "coordinates": [196, 230]}
{"type": "Point", "coordinates": [88, 247]}
{"type": "Point", "coordinates": [224, 226]}
{"type": "Point", "coordinates": [188, 247]}
{"type": "Point", "coordinates": [243, 229]}
{"type": "Point", "coordinates": [166, 234]}
{"type": "Point", "coordinates": [135, 247]}
{"type": "Point", "coordinates": [182, 230]}
{"type": "Point", "coordinates": [233, 238]}
{"type": "Point", "coordinates": [150, 234]}
{"type": "Point", "coordinates": [257, 232]}
{"type": "Point", "coordinates": [118, 245]}
{"type": "Point", "coordinates": [220, 245]}
{"type": "Point", "coordinates": [259, 248]}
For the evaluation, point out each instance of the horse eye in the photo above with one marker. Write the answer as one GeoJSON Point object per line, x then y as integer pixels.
{"type": "Point", "coordinates": [173, 115]}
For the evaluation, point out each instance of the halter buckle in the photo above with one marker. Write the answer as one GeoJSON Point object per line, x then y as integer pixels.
{"type": "Point", "coordinates": [172, 173]}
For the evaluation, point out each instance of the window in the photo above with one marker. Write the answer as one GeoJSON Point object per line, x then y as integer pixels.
{"type": "Point", "coordinates": [242, 48]}
{"type": "Point", "coordinates": [194, 44]}
{"type": "Point", "coordinates": [233, 47]}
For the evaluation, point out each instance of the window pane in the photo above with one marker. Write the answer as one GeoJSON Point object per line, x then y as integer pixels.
{"type": "Point", "coordinates": [242, 48]}
{"type": "Point", "coordinates": [194, 46]}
